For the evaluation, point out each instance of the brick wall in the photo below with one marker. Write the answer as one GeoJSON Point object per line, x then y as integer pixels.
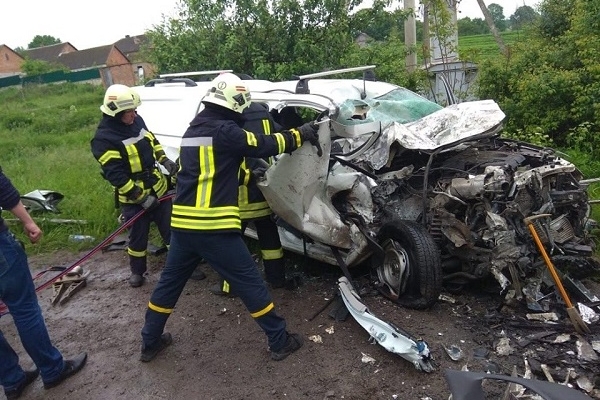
{"type": "Point", "coordinates": [118, 70]}
{"type": "Point", "coordinates": [10, 62]}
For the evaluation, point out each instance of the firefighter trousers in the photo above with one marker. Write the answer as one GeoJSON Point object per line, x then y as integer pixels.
{"type": "Point", "coordinates": [270, 250]}
{"type": "Point", "coordinates": [228, 255]}
{"type": "Point", "coordinates": [139, 231]}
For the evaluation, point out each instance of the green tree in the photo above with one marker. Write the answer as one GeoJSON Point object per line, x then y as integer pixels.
{"type": "Point", "coordinates": [378, 23]}
{"type": "Point", "coordinates": [270, 40]}
{"type": "Point", "coordinates": [523, 16]}
{"type": "Point", "coordinates": [389, 56]}
{"type": "Point", "coordinates": [475, 26]}
{"type": "Point", "coordinates": [43, 40]}
{"type": "Point", "coordinates": [38, 67]}
{"type": "Point", "coordinates": [550, 83]}
{"type": "Point", "coordinates": [555, 17]}
{"type": "Point", "coordinates": [253, 37]}
{"type": "Point", "coordinates": [497, 12]}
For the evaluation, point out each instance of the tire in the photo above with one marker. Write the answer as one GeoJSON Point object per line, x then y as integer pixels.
{"type": "Point", "coordinates": [411, 270]}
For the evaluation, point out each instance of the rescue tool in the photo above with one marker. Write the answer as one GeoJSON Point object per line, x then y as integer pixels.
{"type": "Point", "coordinates": [576, 320]}
{"type": "Point", "coordinates": [98, 247]}
{"type": "Point", "coordinates": [66, 286]}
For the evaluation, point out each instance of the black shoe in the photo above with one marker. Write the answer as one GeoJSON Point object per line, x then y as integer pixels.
{"type": "Point", "coordinates": [293, 283]}
{"type": "Point", "coordinates": [276, 284]}
{"type": "Point", "coordinates": [150, 352]}
{"type": "Point", "coordinates": [30, 376]}
{"type": "Point", "coordinates": [294, 342]}
{"type": "Point", "coordinates": [288, 284]}
{"type": "Point", "coordinates": [198, 275]}
{"type": "Point", "coordinates": [136, 280]}
{"type": "Point", "coordinates": [71, 367]}
{"type": "Point", "coordinates": [217, 289]}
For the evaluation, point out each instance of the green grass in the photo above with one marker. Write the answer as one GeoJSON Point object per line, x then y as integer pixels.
{"type": "Point", "coordinates": [45, 133]}
{"type": "Point", "coordinates": [479, 47]}
{"type": "Point", "coordinates": [590, 168]}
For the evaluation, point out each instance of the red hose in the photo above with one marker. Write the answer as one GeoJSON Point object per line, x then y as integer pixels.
{"type": "Point", "coordinates": [97, 247]}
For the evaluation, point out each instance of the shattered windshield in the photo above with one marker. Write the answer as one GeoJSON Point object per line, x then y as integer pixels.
{"type": "Point", "coordinates": [400, 105]}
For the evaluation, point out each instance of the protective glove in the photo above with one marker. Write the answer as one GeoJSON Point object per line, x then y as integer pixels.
{"type": "Point", "coordinates": [135, 194]}
{"type": "Point", "coordinates": [258, 167]}
{"type": "Point", "coordinates": [308, 133]}
{"type": "Point", "coordinates": [149, 202]}
{"type": "Point", "coordinates": [258, 173]}
{"type": "Point", "coordinates": [171, 167]}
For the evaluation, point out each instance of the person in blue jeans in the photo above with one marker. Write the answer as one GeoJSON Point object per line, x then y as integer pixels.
{"type": "Point", "coordinates": [17, 291]}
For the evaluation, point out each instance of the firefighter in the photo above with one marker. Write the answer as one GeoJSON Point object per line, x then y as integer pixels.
{"type": "Point", "coordinates": [254, 207]}
{"type": "Point", "coordinates": [206, 220]}
{"type": "Point", "coordinates": [129, 155]}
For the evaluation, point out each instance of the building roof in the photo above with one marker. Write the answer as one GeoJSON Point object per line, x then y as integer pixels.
{"type": "Point", "coordinates": [10, 50]}
{"type": "Point", "coordinates": [88, 58]}
{"type": "Point", "coordinates": [131, 44]}
{"type": "Point", "coordinates": [49, 53]}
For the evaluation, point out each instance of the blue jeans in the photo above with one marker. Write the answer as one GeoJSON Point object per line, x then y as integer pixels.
{"type": "Point", "coordinates": [228, 255]}
{"type": "Point", "coordinates": [17, 291]}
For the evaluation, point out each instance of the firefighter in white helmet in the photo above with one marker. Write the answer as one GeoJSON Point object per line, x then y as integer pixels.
{"type": "Point", "coordinates": [206, 223]}
{"type": "Point", "coordinates": [128, 154]}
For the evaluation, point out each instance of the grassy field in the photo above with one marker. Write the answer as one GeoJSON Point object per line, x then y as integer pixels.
{"type": "Point", "coordinates": [45, 133]}
{"type": "Point", "coordinates": [479, 47]}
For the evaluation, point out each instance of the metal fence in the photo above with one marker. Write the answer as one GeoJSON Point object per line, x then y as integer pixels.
{"type": "Point", "coordinates": [51, 77]}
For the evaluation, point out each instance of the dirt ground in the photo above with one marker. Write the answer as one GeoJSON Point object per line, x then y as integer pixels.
{"type": "Point", "coordinates": [219, 352]}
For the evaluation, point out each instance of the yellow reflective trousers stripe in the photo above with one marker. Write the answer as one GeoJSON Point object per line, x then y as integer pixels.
{"type": "Point", "coordinates": [272, 254]}
{"type": "Point", "coordinates": [262, 312]}
{"type": "Point", "coordinates": [159, 309]}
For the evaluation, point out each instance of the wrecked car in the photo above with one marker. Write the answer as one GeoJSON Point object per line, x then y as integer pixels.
{"type": "Point", "coordinates": [431, 197]}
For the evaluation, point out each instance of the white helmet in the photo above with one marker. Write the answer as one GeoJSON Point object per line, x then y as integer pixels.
{"type": "Point", "coordinates": [228, 90]}
{"type": "Point", "coordinates": [119, 98]}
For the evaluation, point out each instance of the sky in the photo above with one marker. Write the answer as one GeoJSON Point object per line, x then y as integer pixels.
{"type": "Point", "coordinates": [91, 24]}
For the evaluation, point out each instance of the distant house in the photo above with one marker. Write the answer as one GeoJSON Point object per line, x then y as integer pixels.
{"type": "Point", "coordinates": [10, 61]}
{"type": "Point", "coordinates": [121, 62]}
{"type": "Point", "coordinates": [49, 53]}
{"type": "Point", "coordinates": [363, 40]}
{"type": "Point", "coordinates": [113, 65]}
{"type": "Point", "coordinates": [133, 48]}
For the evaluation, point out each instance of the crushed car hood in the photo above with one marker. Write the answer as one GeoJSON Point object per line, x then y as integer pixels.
{"type": "Point", "coordinates": [440, 130]}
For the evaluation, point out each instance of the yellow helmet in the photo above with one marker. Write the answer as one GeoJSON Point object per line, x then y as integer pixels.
{"type": "Point", "coordinates": [227, 90]}
{"type": "Point", "coordinates": [137, 100]}
{"type": "Point", "coordinates": [119, 98]}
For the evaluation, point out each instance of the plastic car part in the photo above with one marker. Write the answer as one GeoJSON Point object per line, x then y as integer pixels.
{"type": "Point", "coordinates": [387, 335]}
{"type": "Point", "coordinates": [466, 385]}
{"type": "Point", "coordinates": [42, 200]}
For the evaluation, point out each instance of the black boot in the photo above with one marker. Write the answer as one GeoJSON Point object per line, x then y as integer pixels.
{"type": "Point", "coordinates": [136, 280]}
{"type": "Point", "coordinates": [198, 275]}
{"type": "Point", "coordinates": [222, 289]}
{"type": "Point", "coordinates": [275, 273]}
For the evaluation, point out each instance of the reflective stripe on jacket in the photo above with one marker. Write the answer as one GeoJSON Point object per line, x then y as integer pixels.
{"type": "Point", "coordinates": [250, 199]}
{"type": "Point", "coordinates": [212, 150]}
{"type": "Point", "coordinates": [128, 156]}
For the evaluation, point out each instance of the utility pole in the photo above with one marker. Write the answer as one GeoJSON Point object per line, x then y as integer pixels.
{"type": "Point", "coordinates": [410, 36]}
{"type": "Point", "coordinates": [426, 36]}
{"type": "Point", "coordinates": [490, 21]}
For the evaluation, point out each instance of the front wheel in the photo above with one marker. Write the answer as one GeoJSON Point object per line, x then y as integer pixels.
{"type": "Point", "coordinates": [410, 272]}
